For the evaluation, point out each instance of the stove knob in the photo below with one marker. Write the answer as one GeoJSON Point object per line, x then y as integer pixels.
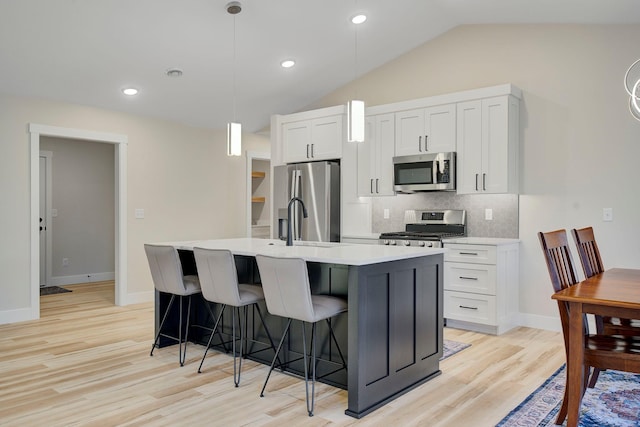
{"type": "Point", "coordinates": [421, 244]}
{"type": "Point", "coordinates": [406, 243]}
{"type": "Point", "coordinates": [392, 242]}
{"type": "Point", "coordinates": [385, 242]}
{"type": "Point", "coordinates": [430, 244]}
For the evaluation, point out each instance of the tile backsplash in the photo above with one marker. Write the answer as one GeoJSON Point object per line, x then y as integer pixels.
{"type": "Point", "coordinates": [504, 206]}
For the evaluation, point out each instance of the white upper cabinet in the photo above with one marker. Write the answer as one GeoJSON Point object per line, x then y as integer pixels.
{"type": "Point", "coordinates": [426, 130]}
{"type": "Point", "coordinates": [313, 139]}
{"type": "Point", "coordinates": [375, 154]}
{"type": "Point", "coordinates": [487, 135]}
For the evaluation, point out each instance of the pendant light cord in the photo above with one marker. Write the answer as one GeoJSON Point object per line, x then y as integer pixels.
{"type": "Point", "coordinates": [234, 68]}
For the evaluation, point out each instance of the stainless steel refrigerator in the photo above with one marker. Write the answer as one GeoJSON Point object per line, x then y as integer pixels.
{"type": "Point", "coordinates": [318, 185]}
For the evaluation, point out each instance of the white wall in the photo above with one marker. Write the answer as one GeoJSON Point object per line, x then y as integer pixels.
{"type": "Point", "coordinates": [580, 146]}
{"type": "Point", "coordinates": [180, 175]}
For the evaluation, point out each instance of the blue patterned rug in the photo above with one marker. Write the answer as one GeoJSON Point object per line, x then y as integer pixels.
{"type": "Point", "coordinates": [613, 402]}
{"type": "Point", "coordinates": [449, 348]}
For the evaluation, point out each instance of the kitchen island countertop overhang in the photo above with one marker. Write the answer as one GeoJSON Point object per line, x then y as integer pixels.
{"type": "Point", "coordinates": [392, 331]}
{"type": "Point", "coordinates": [327, 252]}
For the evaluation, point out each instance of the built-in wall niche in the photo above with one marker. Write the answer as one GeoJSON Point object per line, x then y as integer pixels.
{"type": "Point", "coordinates": [504, 211]}
{"type": "Point", "coordinates": [260, 203]}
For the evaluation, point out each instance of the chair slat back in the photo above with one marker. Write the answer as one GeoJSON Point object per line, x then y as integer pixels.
{"type": "Point", "coordinates": [558, 257]}
{"type": "Point", "coordinates": [588, 251]}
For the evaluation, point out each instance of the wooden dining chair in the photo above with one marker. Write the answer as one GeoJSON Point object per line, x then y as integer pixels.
{"type": "Point", "coordinates": [601, 351]}
{"type": "Point", "coordinates": [591, 261]}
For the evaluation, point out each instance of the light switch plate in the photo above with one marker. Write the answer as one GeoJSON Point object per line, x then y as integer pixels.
{"type": "Point", "coordinates": [139, 213]}
{"type": "Point", "coordinates": [54, 213]}
{"type": "Point", "coordinates": [607, 214]}
{"type": "Point", "coordinates": [386, 214]}
{"type": "Point", "coordinates": [488, 214]}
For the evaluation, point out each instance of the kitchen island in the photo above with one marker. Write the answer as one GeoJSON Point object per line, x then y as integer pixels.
{"type": "Point", "coordinates": [392, 333]}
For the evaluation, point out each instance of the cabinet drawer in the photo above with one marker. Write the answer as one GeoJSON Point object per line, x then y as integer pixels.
{"type": "Point", "coordinates": [477, 254]}
{"type": "Point", "coordinates": [466, 277]}
{"type": "Point", "coordinates": [470, 307]}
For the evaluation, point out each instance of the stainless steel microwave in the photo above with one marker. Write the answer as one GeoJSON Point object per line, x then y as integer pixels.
{"type": "Point", "coordinates": [424, 172]}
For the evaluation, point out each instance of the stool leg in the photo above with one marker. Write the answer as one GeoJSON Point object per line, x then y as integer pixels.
{"type": "Point", "coordinates": [183, 352]}
{"type": "Point", "coordinates": [284, 336]}
{"type": "Point", "coordinates": [264, 325]}
{"type": "Point", "coordinates": [166, 313]}
{"type": "Point", "coordinates": [344, 363]}
{"type": "Point", "coordinates": [215, 328]}
{"type": "Point", "coordinates": [213, 316]}
{"type": "Point", "coordinates": [313, 369]}
{"type": "Point", "coordinates": [236, 379]}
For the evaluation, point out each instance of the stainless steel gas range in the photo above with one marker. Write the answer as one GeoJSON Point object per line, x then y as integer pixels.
{"type": "Point", "coordinates": [429, 229]}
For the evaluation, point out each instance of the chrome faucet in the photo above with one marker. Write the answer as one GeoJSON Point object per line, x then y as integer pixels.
{"type": "Point", "coordinates": [289, 228]}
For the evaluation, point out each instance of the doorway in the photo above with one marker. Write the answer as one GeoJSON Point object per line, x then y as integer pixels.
{"type": "Point", "coordinates": [120, 163]}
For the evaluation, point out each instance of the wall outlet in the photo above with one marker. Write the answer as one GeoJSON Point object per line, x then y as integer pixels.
{"type": "Point", "coordinates": [54, 213]}
{"type": "Point", "coordinates": [488, 214]}
{"type": "Point", "coordinates": [386, 214]}
{"type": "Point", "coordinates": [65, 262]}
{"type": "Point", "coordinates": [607, 214]}
{"type": "Point", "coordinates": [139, 213]}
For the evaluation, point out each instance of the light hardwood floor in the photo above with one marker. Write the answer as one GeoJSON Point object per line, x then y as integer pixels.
{"type": "Point", "coordinates": [86, 362]}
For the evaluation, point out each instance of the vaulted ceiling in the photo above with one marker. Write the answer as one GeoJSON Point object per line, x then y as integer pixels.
{"type": "Point", "coordinates": [87, 51]}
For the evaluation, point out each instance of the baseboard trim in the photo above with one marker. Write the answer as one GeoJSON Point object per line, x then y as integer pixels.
{"type": "Point", "coordinates": [82, 278]}
{"type": "Point", "coordinates": [14, 316]}
{"type": "Point", "coordinates": [540, 322]}
{"type": "Point", "coordinates": [139, 297]}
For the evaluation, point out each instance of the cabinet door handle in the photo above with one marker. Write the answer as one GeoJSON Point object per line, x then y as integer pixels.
{"type": "Point", "coordinates": [420, 143]}
{"type": "Point", "coordinates": [377, 191]}
{"type": "Point", "coordinates": [484, 182]}
{"type": "Point", "coordinates": [476, 182]}
{"type": "Point", "coordinates": [308, 153]}
{"type": "Point", "coordinates": [371, 185]}
{"type": "Point", "coordinates": [468, 253]}
{"type": "Point", "coordinates": [312, 151]}
{"type": "Point", "coordinates": [468, 278]}
{"type": "Point", "coordinates": [467, 307]}
{"type": "Point", "coordinates": [426, 143]}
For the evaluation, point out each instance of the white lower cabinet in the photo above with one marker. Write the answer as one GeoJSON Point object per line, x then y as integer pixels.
{"type": "Point", "coordinates": [481, 286]}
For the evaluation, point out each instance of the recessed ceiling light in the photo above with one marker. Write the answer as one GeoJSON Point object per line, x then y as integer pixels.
{"type": "Point", "coordinates": [359, 19]}
{"type": "Point", "coordinates": [130, 91]}
{"type": "Point", "coordinates": [288, 63]}
{"type": "Point", "coordinates": [174, 72]}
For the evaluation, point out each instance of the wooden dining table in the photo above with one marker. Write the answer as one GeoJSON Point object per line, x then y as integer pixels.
{"type": "Point", "coordinates": [615, 293]}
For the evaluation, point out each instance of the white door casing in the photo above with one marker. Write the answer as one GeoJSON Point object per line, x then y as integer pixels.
{"type": "Point", "coordinates": [120, 141]}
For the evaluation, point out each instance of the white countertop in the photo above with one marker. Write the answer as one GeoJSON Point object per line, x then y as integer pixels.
{"type": "Point", "coordinates": [332, 253]}
{"type": "Point", "coordinates": [481, 241]}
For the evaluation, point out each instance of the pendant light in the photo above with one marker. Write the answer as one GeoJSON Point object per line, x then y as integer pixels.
{"type": "Point", "coordinates": [355, 108]}
{"type": "Point", "coordinates": [632, 86]}
{"type": "Point", "coordinates": [234, 129]}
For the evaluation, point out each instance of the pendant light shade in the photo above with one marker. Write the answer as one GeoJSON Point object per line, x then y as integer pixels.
{"type": "Point", "coordinates": [355, 121]}
{"type": "Point", "coordinates": [234, 139]}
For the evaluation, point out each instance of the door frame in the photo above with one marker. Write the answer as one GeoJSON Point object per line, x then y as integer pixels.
{"type": "Point", "coordinates": [120, 161]}
{"type": "Point", "coordinates": [47, 221]}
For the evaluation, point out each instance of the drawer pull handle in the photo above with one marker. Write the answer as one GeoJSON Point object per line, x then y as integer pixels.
{"type": "Point", "coordinates": [468, 253]}
{"type": "Point", "coordinates": [468, 278]}
{"type": "Point", "coordinates": [468, 308]}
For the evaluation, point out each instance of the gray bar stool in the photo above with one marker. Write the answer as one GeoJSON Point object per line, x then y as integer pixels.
{"type": "Point", "coordinates": [285, 282]}
{"type": "Point", "coordinates": [219, 281]}
{"type": "Point", "coordinates": [166, 272]}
